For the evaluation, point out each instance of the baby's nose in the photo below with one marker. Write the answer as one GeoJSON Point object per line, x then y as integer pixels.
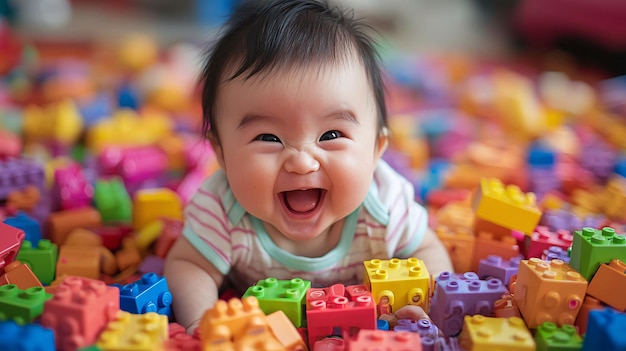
{"type": "Point", "coordinates": [301, 162]}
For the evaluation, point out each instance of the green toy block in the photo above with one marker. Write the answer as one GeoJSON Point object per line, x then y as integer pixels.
{"type": "Point", "coordinates": [549, 337]}
{"type": "Point", "coordinates": [591, 248]}
{"type": "Point", "coordinates": [113, 201]}
{"type": "Point", "coordinates": [42, 259]}
{"type": "Point", "coordinates": [90, 348]}
{"type": "Point", "coordinates": [288, 296]}
{"type": "Point", "coordinates": [21, 306]}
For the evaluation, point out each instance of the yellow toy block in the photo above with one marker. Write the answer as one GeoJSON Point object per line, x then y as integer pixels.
{"type": "Point", "coordinates": [495, 334]}
{"type": "Point", "coordinates": [402, 281]}
{"type": "Point", "coordinates": [548, 292]}
{"type": "Point", "coordinates": [226, 321]}
{"type": "Point", "coordinates": [134, 332]}
{"type": "Point", "coordinates": [151, 204]}
{"type": "Point", "coordinates": [126, 128]}
{"type": "Point", "coordinates": [506, 206]}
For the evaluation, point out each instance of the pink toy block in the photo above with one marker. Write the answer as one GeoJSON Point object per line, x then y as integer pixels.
{"type": "Point", "coordinates": [329, 344]}
{"type": "Point", "coordinates": [79, 311]}
{"type": "Point", "coordinates": [348, 308]}
{"type": "Point", "coordinates": [543, 238]}
{"type": "Point", "coordinates": [71, 188]}
{"type": "Point", "coordinates": [11, 239]}
{"type": "Point", "coordinates": [385, 340]}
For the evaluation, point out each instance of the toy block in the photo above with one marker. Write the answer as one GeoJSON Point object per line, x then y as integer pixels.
{"type": "Point", "coordinates": [172, 230]}
{"type": "Point", "coordinates": [609, 285]}
{"type": "Point", "coordinates": [286, 295]}
{"type": "Point", "coordinates": [179, 340]}
{"type": "Point", "coordinates": [542, 239]}
{"type": "Point", "coordinates": [338, 307]}
{"type": "Point", "coordinates": [456, 215]}
{"type": "Point", "coordinates": [18, 174]}
{"type": "Point", "coordinates": [384, 340]}
{"type": "Point", "coordinates": [41, 259]}
{"type": "Point", "coordinates": [570, 219]}
{"type": "Point", "coordinates": [112, 235]}
{"type": "Point", "coordinates": [129, 255]}
{"type": "Point", "coordinates": [149, 294]}
{"type": "Point", "coordinates": [456, 296]}
{"type": "Point", "coordinates": [27, 337]}
{"type": "Point", "coordinates": [506, 206]}
{"type": "Point", "coordinates": [151, 204]}
{"type": "Point", "coordinates": [82, 261]}
{"type": "Point", "coordinates": [423, 327]}
{"type": "Point", "coordinates": [151, 264]}
{"type": "Point", "coordinates": [485, 245]}
{"type": "Point", "coordinates": [496, 231]}
{"type": "Point", "coordinates": [108, 262]}
{"type": "Point", "coordinates": [548, 292]}
{"type": "Point", "coordinates": [256, 336]}
{"type": "Point", "coordinates": [401, 281]}
{"type": "Point", "coordinates": [506, 307]}
{"type": "Point", "coordinates": [589, 304]}
{"type": "Point", "coordinates": [437, 198]}
{"type": "Point", "coordinates": [228, 320]}
{"type": "Point", "coordinates": [135, 164]}
{"type": "Point", "coordinates": [605, 331]}
{"type": "Point", "coordinates": [79, 310]}
{"type": "Point", "coordinates": [556, 253]}
{"type": "Point", "coordinates": [591, 248]}
{"type": "Point", "coordinates": [460, 245]}
{"type": "Point", "coordinates": [496, 267]}
{"type": "Point", "coordinates": [61, 223]}
{"type": "Point", "coordinates": [29, 225]}
{"type": "Point", "coordinates": [284, 331]}
{"type": "Point", "coordinates": [382, 324]}
{"type": "Point", "coordinates": [20, 275]}
{"type": "Point", "coordinates": [11, 239]}
{"type": "Point", "coordinates": [112, 200]}
{"type": "Point", "coordinates": [83, 237]}
{"type": "Point", "coordinates": [549, 337]}
{"type": "Point", "coordinates": [22, 306]}
{"type": "Point", "coordinates": [482, 333]}
{"type": "Point", "coordinates": [135, 332]}
{"type": "Point", "coordinates": [329, 344]}
{"type": "Point", "coordinates": [70, 188]}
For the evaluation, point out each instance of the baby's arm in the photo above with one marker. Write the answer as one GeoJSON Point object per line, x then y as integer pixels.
{"type": "Point", "coordinates": [434, 254]}
{"type": "Point", "coordinates": [193, 281]}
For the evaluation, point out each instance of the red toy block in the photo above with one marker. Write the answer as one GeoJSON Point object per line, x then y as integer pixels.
{"type": "Point", "coordinates": [334, 308]}
{"type": "Point", "coordinates": [329, 344]}
{"type": "Point", "coordinates": [79, 311]}
{"type": "Point", "coordinates": [112, 236]}
{"type": "Point", "coordinates": [11, 240]}
{"type": "Point", "coordinates": [609, 285]}
{"type": "Point", "coordinates": [19, 274]}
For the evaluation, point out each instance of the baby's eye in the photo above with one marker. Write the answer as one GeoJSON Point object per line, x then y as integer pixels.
{"type": "Point", "coordinates": [268, 137]}
{"type": "Point", "coordinates": [331, 134]}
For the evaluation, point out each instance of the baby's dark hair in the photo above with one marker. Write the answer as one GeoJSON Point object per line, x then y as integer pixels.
{"type": "Point", "coordinates": [266, 35]}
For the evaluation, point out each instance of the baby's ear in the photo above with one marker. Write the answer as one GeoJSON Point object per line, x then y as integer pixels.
{"type": "Point", "coordinates": [382, 142]}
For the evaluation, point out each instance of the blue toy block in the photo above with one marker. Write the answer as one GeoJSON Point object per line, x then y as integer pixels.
{"type": "Point", "coordinates": [148, 294]}
{"type": "Point", "coordinates": [382, 324]}
{"type": "Point", "coordinates": [605, 331]}
{"type": "Point", "coordinates": [23, 338]}
{"type": "Point", "coordinates": [29, 225]}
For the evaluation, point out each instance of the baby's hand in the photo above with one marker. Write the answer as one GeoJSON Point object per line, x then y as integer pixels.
{"type": "Point", "coordinates": [410, 312]}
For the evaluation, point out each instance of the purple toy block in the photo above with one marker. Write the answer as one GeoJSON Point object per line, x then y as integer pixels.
{"type": "Point", "coordinates": [152, 264]}
{"type": "Point", "coordinates": [148, 294]}
{"type": "Point", "coordinates": [564, 219]}
{"type": "Point", "coordinates": [18, 173]}
{"type": "Point", "coordinates": [496, 267]}
{"type": "Point", "coordinates": [555, 253]}
{"type": "Point", "coordinates": [599, 157]}
{"type": "Point", "coordinates": [455, 298]}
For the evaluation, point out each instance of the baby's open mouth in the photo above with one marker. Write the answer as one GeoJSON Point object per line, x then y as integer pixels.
{"type": "Point", "coordinates": [302, 201]}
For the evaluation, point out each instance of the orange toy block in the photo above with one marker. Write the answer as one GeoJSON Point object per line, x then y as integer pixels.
{"type": "Point", "coordinates": [506, 206]}
{"type": "Point", "coordinates": [227, 320]}
{"type": "Point", "coordinates": [548, 292]}
{"type": "Point", "coordinates": [485, 245]}
{"type": "Point", "coordinates": [496, 231]}
{"type": "Point", "coordinates": [83, 237]}
{"type": "Point", "coordinates": [506, 307]}
{"type": "Point", "coordinates": [129, 255]}
{"type": "Point", "coordinates": [285, 332]}
{"type": "Point", "coordinates": [460, 244]}
{"type": "Point", "coordinates": [590, 303]}
{"type": "Point", "coordinates": [61, 224]}
{"type": "Point", "coordinates": [609, 284]}
{"type": "Point", "coordinates": [82, 261]}
{"type": "Point", "coordinates": [19, 274]}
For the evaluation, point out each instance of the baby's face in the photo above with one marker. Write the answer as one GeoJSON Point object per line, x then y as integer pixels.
{"type": "Point", "coordinates": [299, 147]}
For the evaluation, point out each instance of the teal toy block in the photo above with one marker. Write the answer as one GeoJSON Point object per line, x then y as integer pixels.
{"type": "Point", "coordinates": [41, 259]}
{"type": "Point", "coordinates": [288, 296]}
{"type": "Point", "coordinates": [113, 201]}
{"type": "Point", "coordinates": [549, 337]}
{"type": "Point", "coordinates": [21, 306]}
{"type": "Point", "coordinates": [593, 247]}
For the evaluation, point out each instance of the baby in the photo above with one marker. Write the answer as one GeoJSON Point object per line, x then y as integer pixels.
{"type": "Point", "coordinates": [294, 107]}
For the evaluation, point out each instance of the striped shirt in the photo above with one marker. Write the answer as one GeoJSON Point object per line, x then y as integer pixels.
{"type": "Point", "coordinates": [388, 224]}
